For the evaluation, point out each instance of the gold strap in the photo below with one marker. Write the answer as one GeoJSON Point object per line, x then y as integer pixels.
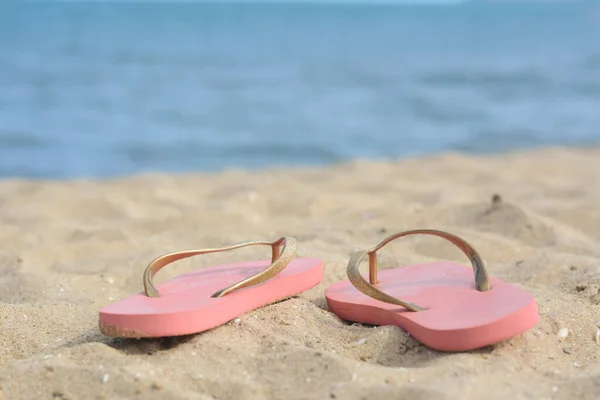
{"type": "Point", "coordinates": [280, 259]}
{"type": "Point", "coordinates": [481, 276]}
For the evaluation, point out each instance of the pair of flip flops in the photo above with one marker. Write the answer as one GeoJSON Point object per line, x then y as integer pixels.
{"type": "Point", "coordinates": [437, 303]}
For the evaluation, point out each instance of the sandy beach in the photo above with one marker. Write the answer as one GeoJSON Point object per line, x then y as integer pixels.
{"type": "Point", "coordinates": [71, 247]}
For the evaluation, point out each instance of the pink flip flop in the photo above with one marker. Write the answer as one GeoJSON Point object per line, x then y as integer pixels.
{"type": "Point", "coordinates": [210, 297]}
{"type": "Point", "coordinates": [441, 307]}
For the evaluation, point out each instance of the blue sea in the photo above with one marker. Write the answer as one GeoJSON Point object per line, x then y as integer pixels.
{"type": "Point", "coordinates": [104, 89]}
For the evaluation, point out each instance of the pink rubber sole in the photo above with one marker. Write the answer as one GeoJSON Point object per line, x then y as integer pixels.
{"type": "Point", "coordinates": [457, 316]}
{"type": "Point", "coordinates": [185, 306]}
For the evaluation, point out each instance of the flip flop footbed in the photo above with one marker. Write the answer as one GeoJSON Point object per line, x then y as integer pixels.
{"type": "Point", "coordinates": [185, 305]}
{"type": "Point", "coordinates": [457, 317]}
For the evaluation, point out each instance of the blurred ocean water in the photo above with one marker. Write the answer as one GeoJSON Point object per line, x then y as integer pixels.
{"type": "Point", "coordinates": [106, 89]}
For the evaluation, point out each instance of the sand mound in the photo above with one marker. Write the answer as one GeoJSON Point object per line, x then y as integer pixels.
{"type": "Point", "coordinates": [505, 219]}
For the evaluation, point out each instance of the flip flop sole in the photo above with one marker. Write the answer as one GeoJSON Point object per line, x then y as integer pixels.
{"type": "Point", "coordinates": [185, 305]}
{"type": "Point", "coordinates": [457, 317]}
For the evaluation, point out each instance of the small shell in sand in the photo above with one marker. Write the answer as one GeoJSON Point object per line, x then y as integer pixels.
{"type": "Point", "coordinates": [562, 334]}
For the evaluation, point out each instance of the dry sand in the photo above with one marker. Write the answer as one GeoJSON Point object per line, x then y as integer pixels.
{"type": "Point", "coordinates": [69, 248]}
